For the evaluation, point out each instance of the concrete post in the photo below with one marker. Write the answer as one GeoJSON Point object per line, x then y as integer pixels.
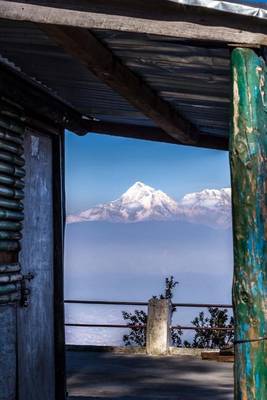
{"type": "Point", "coordinates": [158, 327]}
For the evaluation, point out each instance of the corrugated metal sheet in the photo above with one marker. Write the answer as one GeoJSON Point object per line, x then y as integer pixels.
{"type": "Point", "coordinates": [194, 79]}
{"type": "Point", "coordinates": [35, 54]}
{"type": "Point", "coordinates": [251, 8]}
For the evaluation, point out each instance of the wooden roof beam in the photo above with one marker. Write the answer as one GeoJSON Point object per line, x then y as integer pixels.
{"type": "Point", "coordinates": [100, 60]}
{"type": "Point", "coordinates": [154, 134]}
{"type": "Point", "coordinates": [179, 22]}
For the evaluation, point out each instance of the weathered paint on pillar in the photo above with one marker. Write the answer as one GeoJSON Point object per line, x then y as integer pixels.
{"type": "Point", "coordinates": [248, 150]}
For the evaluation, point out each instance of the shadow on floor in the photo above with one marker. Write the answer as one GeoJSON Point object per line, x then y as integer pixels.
{"type": "Point", "coordinates": [106, 376]}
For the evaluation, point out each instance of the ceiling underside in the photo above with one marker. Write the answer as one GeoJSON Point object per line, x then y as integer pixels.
{"type": "Point", "coordinates": [182, 79]}
{"type": "Point", "coordinates": [194, 79]}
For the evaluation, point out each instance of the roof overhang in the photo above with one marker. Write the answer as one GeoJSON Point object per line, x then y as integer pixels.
{"type": "Point", "coordinates": [130, 68]}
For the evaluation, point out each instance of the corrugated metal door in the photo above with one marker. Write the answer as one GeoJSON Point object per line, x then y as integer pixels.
{"type": "Point", "coordinates": [36, 366]}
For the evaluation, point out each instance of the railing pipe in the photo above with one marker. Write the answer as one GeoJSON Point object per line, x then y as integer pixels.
{"type": "Point", "coordinates": [145, 303]}
{"type": "Point", "coordinates": [103, 302]}
{"type": "Point", "coordinates": [136, 326]}
{"type": "Point", "coordinates": [106, 325]}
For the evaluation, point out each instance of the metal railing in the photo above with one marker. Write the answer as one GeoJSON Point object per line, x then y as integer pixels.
{"type": "Point", "coordinates": [143, 303]}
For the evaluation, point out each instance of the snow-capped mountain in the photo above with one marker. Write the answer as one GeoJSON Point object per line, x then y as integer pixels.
{"type": "Point", "coordinates": [144, 203]}
{"type": "Point", "coordinates": [209, 207]}
{"type": "Point", "coordinates": [140, 202]}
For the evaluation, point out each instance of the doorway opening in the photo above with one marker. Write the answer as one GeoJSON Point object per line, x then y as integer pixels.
{"type": "Point", "coordinates": [139, 213]}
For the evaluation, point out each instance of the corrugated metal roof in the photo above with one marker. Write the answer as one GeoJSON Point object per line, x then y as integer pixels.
{"type": "Point", "coordinates": [30, 49]}
{"type": "Point", "coordinates": [194, 79]}
{"type": "Point", "coordinates": [250, 8]}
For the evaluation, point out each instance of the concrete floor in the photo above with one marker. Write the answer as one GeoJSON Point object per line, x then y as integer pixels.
{"type": "Point", "coordinates": [105, 376]}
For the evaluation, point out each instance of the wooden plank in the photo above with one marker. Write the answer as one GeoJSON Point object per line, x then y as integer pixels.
{"type": "Point", "coordinates": [224, 358]}
{"type": "Point", "coordinates": [216, 356]}
{"type": "Point", "coordinates": [154, 134]}
{"type": "Point", "coordinates": [36, 367]}
{"type": "Point", "coordinates": [85, 47]}
{"type": "Point", "coordinates": [8, 352]}
{"type": "Point", "coordinates": [210, 355]}
{"type": "Point", "coordinates": [182, 24]}
{"type": "Point", "coordinates": [248, 155]}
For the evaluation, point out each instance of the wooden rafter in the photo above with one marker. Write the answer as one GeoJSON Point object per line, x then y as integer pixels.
{"type": "Point", "coordinates": [153, 134]}
{"type": "Point", "coordinates": [180, 23]}
{"type": "Point", "coordinates": [100, 60]}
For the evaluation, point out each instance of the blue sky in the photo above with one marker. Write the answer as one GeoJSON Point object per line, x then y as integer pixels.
{"type": "Point", "coordinates": [100, 168]}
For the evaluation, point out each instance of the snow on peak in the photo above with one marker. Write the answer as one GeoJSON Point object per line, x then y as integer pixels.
{"type": "Point", "coordinates": [148, 201]}
{"type": "Point", "coordinates": [210, 207]}
{"type": "Point", "coordinates": [137, 192]}
{"type": "Point", "coordinates": [141, 202]}
{"type": "Point", "coordinates": [208, 198]}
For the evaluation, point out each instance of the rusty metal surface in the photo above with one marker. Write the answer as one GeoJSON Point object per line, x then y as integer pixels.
{"type": "Point", "coordinates": [196, 80]}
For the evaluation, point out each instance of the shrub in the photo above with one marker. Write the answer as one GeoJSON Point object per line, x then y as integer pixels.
{"type": "Point", "coordinates": [136, 335]}
{"type": "Point", "coordinates": [211, 338]}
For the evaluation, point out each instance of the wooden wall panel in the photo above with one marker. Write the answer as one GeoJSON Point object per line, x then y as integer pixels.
{"type": "Point", "coordinates": [36, 367]}
{"type": "Point", "coordinates": [7, 352]}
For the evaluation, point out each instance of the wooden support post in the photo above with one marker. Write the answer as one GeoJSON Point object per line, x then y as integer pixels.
{"type": "Point", "coordinates": [248, 150]}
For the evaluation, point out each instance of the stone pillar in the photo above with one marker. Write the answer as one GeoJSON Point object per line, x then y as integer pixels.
{"type": "Point", "coordinates": [158, 327]}
{"type": "Point", "coordinates": [248, 156]}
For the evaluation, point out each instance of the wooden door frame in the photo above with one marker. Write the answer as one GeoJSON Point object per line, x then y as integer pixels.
{"type": "Point", "coordinates": [58, 159]}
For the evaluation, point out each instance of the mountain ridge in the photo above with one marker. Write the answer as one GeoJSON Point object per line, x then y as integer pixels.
{"type": "Point", "coordinates": [211, 207]}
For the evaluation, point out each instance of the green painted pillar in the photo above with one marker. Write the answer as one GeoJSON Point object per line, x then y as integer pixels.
{"type": "Point", "coordinates": [248, 151]}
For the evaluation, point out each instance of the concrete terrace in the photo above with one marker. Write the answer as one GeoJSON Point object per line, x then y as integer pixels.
{"type": "Point", "coordinates": [101, 375]}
